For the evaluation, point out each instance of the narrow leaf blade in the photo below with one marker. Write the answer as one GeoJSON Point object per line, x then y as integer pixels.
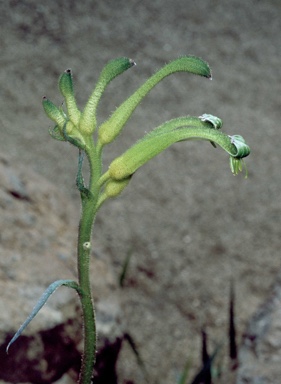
{"type": "Point", "coordinates": [43, 299]}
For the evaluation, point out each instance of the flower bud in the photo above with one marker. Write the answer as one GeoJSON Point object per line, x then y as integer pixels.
{"type": "Point", "coordinates": [66, 88]}
{"type": "Point", "coordinates": [113, 188]}
{"type": "Point", "coordinates": [53, 112]}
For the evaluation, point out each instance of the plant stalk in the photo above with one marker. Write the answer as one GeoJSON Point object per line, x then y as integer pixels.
{"type": "Point", "coordinates": [89, 210]}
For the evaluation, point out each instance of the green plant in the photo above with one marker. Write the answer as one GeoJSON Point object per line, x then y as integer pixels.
{"type": "Point", "coordinates": [80, 129]}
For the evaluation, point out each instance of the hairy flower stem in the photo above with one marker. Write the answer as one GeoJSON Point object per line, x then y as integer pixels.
{"type": "Point", "coordinates": [88, 359]}
{"type": "Point", "coordinates": [89, 209]}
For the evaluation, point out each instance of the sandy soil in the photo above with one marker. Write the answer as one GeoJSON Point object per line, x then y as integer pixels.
{"type": "Point", "coordinates": [190, 225]}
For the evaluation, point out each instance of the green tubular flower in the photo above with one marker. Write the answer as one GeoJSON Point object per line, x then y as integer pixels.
{"type": "Point", "coordinates": [154, 143]}
{"type": "Point", "coordinates": [53, 112]}
{"type": "Point", "coordinates": [111, 70]}
{"type": "Point", "coordinates": [66, 88]}
{"type": "Point", "coordinates": [110, 129]}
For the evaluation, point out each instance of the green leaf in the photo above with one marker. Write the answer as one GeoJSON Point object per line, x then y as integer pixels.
{"type": "Point", "coordinates": [111, 128]}
{"type": "Point", "coordinates": [48, 292]}
{"type": "Point", "coordinates": [125, 267]}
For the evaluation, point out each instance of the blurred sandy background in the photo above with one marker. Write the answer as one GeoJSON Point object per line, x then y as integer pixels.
{"type": "Point", "coordinates": [190, 225]}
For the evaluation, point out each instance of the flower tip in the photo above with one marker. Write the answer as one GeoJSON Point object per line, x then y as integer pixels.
{"type": "Point", "coordinates": [132, 62]}
{"type": "Point", "coordinates": [238, 165]}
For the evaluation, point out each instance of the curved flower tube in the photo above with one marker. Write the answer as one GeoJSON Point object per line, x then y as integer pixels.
{"type": "Point", "coordinates": [111, 128]}
{"type": "Point", "coordinates": [112, 69]}
{"type": "Point", "coordinates": [155, 142]}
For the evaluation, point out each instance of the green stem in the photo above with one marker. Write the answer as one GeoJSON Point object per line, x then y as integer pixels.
{"type": "Point", "coordinates": [89, 209]}
{"type": "Point", "coordinates": [88, 358]}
